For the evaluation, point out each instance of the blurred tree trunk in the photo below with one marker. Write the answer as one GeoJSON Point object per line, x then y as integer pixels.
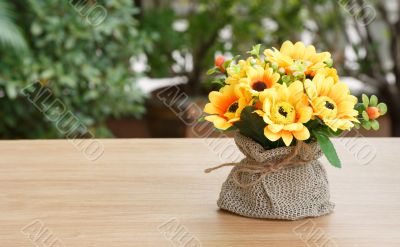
{"type": "Point", "coordinates": [139, 5]}
{"type": "Point", "coordinates": [198, 60]}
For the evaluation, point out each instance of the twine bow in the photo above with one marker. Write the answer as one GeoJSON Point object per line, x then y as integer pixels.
{"type": "Point", "coordinates": [264, 168]}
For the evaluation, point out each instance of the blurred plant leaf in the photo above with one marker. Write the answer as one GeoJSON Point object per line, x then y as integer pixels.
{"type": "Point", "coordinates": [10, 33]}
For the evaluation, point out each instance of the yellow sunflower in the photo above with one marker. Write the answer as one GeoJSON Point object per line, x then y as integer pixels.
{"type": "Point", "coordinates": [259, 78]}
{"type": "Point", "coordinates": [226, 105]}
{"type": "Point", "coordinates": [331, 102]}
{"type": "Point", "coordinates": [285, 110]}
{"type": "Point", "coordinates": [236, 72]}
{"type": "Point", "coordinates": [297, 58]}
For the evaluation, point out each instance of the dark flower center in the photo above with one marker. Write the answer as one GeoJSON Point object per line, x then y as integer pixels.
{"type": "Point", "coordinates": [282, 112]}
{"type": "Point", "coordinates": [259, 86]}
{"type": "Point", "coordinates": [308, 76]}
{"type": "Point", "coordinates": [329, 105]}
{"type": "Point", "coordinates": [233, 107]}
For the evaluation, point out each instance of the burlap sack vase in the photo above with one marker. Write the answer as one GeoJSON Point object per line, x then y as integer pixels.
{"type": "Point", "coordinates": [290, 193]}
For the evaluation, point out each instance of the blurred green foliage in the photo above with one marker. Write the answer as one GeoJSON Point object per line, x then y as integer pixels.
{"type": "Point", "coordinates": [11, 35]}
{"type": "Point", "coordinates": [86, 66]}
{"type": "Point", "coordinates": [225, 26]}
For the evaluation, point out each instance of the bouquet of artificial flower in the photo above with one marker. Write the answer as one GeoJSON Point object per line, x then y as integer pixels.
{"type": "Point", "coordinates": [284, 104]}
{"type": "Point", "coordinates": [289, 94]}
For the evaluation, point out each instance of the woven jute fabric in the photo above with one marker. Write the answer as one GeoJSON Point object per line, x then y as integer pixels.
{"type": "Point", "coordinates": [291, 193]}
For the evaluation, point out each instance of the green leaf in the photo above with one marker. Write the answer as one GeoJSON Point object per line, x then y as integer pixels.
{"type": "Point", "coordinates": [335, 133]}
{"type": "Point", "coordinates": [212, 71]}
{"type": "Point", "coordinates": [255, 51]}
{"type": "Point", "coordinates": [235, 58]}
{"type": "Point", "coordinates": [365, 100]}
{"type": "Point", "coordinates": [360, 108]}
{"type": "Point", "coordinates": [373, 101]}
{"type": "Point", "coordinates": [235, 68]}
{"type": "Point", "coordinates": [325, 130]}
{"type": "Point", "coordinates": [382, 108]}
{"type": "Point", "coordinates": [329, 62]}
{"type": "Point", "coordinates": [375, 125]}
{"type": "Point", "coordinates": [252, 126]}
{"type": "Point", "coordinates": [365, 116]}
{"type": "Point", "coordinates": [201, 119]}
{"type": "Point", "coordinates": [232, 128]}
{"type": "Point", "coordinates": [286, 79]}
{"type": "Point", "coordinates": [220, 82]}
{"type": "Point", "coordinates": [366, 125]}
{"type": "Point", "coordinates": [328, 149]}
{"type": "Point", "coordinates": [227, 63]}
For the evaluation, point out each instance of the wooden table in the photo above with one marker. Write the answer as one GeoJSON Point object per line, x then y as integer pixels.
{"type": "Point", "coordinates": [152, 192]}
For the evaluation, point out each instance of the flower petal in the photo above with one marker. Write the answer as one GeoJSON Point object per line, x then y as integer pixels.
{"type": "Point", "coordinates": [293, 127]}
{"type": "Point", "coordinates": [271, 135]}
{"type": "Point", "coordinates": [304, 114]}
{"type": "Point", "coordinates": [309, 52]}
{"type": "Point", "coordinates": [298, 50]}
{"type": "Point", "coordinates": [275, 127]}
{"type": "Point", "coordinates": [345, 108]}
{"type": "Point", "coordinates": [219, 122]}
{"type": "Point", "coordinates": [311, 89]}
{"type": "Point", "coordinates": [287, 137]}
{"type": "Point", "coordinates": [338, 92]}
{"type": "Point", "coordinates": [287, 48]}
{"type": "Point", "coordinates": [212, 109]}
{"type": "Point", "coordinates": [296, 92]}
{"type": "Point", "coordinates": [303, 134]}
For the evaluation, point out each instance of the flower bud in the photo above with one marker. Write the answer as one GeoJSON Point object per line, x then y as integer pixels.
{"type": "Point", "coordinates": [274, 66]}
{"type": "Point", "coordinates": [297, 74]}
{"type": "Point", "coordinates": [373, 112]}
{"type": "Point", "coordinates": [329, 62]}
{"type": "Point", "coordinates": [219, 62]}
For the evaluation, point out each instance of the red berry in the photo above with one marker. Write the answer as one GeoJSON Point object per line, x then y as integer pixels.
{"type": "Point", "coordinates": [373, 112]}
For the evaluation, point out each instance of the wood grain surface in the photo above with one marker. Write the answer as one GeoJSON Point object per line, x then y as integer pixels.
{"type": "Point", "coordinates": [153, 192]}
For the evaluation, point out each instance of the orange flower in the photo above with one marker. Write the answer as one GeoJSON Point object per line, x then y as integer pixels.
{"type": "Point", "coordinates": [226, 105]}
{"type": "Point", "coordinates": [259, 78]}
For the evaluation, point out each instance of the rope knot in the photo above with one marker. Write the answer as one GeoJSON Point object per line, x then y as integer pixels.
{"type": "Point", "coordinates": [251, 166]}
